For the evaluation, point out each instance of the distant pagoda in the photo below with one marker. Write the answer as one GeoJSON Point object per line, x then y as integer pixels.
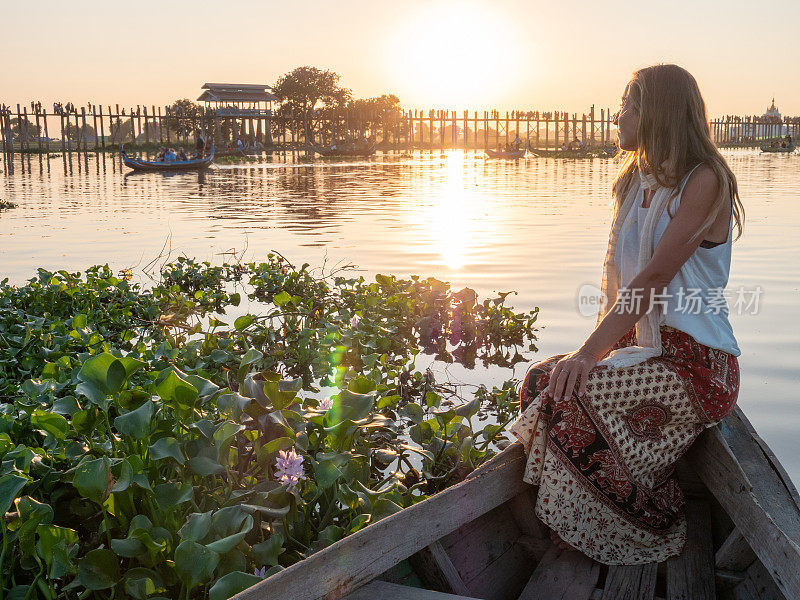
{"type": "Point", "coordinates": [773, 112]}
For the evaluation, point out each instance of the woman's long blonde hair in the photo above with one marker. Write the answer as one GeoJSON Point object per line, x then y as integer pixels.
{"type": "Point", "coordinates": [673, 136]}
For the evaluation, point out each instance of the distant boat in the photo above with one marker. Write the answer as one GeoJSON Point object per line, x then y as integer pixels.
{"type": "Point", "coordinates": [777, 148]}
{"type": "Point", "coordinates": [137, 164]}
{"type": "Point", "coordinates": [330, 151]}
{"type": "Point", "coordinates": [505, 153]}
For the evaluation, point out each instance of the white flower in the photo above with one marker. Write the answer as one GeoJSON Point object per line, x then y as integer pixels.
{"type": "Point", "coordinates": [325, 403]}
{"type": "Point", "coordinates": [289, 467]}
{"type": "Point", "coordinates": [355, 321]}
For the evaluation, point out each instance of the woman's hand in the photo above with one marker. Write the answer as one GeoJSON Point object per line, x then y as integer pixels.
{"type": "Point", "coordinates": [573, 367]}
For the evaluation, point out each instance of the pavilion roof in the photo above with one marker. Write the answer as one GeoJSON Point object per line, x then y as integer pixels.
{"type": "Point", "coordinates": [237, 92]}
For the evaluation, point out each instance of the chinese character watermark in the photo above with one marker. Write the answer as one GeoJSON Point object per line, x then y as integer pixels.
{"type": "Point", "coordinates": [689, 300]}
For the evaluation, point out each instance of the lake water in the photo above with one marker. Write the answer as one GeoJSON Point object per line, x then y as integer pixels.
{"type": "Point", "coordinates": [537, 226]}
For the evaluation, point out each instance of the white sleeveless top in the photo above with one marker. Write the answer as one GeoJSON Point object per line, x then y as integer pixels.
{"type": "Point", "coordinates": [702, 313]}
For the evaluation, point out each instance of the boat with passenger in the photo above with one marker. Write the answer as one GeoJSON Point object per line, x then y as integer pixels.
{"type": "Point", "coordinates": [191, 164]}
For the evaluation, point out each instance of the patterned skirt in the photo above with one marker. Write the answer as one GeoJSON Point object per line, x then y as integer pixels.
{"type": "Point", "coordinates": [604, 462]}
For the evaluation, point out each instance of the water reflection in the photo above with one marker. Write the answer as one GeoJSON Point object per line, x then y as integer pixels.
{"type": "Point", "coordinates": [537, 226]}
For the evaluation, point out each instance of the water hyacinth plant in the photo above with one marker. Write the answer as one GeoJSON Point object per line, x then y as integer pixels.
{"type": "Point", "coordinates": [152, 447]}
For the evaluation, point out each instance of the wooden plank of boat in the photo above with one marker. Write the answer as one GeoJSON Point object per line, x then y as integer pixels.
{"type": "Point", "coordinates": [630, 582]}
{"type": "Point", "coordinates": [690, 576]}
{"type": "Point", "coordinates": [384, 590]}
{"type": "Point", "coordinates": [357, 559]}
{"type": "Point", "coordinates": [757, 585]}
{"type": "Point", "coordinates": [436, 568]}
{"type": "Point", "coordinates": [562, 575]}
{"type": "Point", "coordinates": [747, 486]}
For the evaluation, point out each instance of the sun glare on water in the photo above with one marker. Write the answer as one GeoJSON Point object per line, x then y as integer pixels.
{"type": "Point", "coordinates": [456, 54]}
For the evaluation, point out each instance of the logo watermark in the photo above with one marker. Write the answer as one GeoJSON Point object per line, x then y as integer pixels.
{"type": "Point", "coordinates": [740, 300]}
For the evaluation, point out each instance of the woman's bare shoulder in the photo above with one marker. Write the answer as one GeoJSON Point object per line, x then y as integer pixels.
{"type": "Point", "coordinates": [701, 188]}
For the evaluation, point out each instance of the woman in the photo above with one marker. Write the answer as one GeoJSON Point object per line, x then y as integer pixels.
{"type": "Point", "coordinates": [603, 426]}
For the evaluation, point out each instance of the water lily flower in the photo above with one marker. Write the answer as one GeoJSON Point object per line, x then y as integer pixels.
{"type": "Point", "coordinates": [289, 467]}
{"type": "Point", "coordinates": [325, 403]}
{"type": "Point", "coordinates": [355, 321]}
{"type": "Point", "coordinates": [262, 572]}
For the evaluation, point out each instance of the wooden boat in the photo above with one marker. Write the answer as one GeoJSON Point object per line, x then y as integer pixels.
{"type": "Point", "coordinates": [137, 164]}
{"type": "Point", "coordinates": [505, 153]}
{"type": "Point", "coordinates": [558, 153]}
{"type": "Point", "coordinates": [332, 152]}
{"type": "Point", "coordinates": [481, 539]}
{"type": "Point", "coordinates": [777, 148]}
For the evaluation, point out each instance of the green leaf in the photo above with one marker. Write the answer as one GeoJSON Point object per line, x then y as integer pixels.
{"type": "Point", "coordinates": [362, 385]}
{"type": "Point", "coordinates": [167, 447]}
{"type": "Point", "coordinates": [196, 527]}
{"type": "Point", "coordinates": [106, 372]}
{"type": "Point", "coordinates": [141, 583]}
{"type": "Point", "coordinates": [349, 405]}
{"type": "Point", "coordinates": [136, 423]}
{"type": "Point", "coordinates": [10, 485]}
{"type": "Point", "coordinates": [281, 393]}
{"type": "Point", "coordinates": [95, 394]}
{"type": "Point", "coordinates": [243, 322]}
{"type": "Point", "coordinates": [205, 466]}
{"type": "Point", "coordinates": [177, 393]}
{"type": "Point", "coordinates": [231, 584]}
{"type": "Point", "coordinates": [170, 495]}
{"type": "Point", "coordinates": [225, 432]}
{"type": "Point", "coordinates": [251, 356]}
{"type": "Point", "coordinates": [98, 570]}
{"type": "Point", "coordinates": [128, 547]}
{"type": "Point", "coordinates": [282, 298]}
{"type": "Point", "coordinates": [266, 552]}
{"type": "Point", "coordinates": [194, 563]}
{"type": "Point", "coordinates": [326, 473]}
{"type": "Point", "coordinates": [92, 479]}
{"type": "Point", "coordinates": [232, 405]}
{"type": "Point", "coordinates": [227, 543]}
{"type": "Point", "coordinates": [383, 507]}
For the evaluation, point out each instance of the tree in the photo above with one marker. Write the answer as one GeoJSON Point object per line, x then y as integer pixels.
{"type": "Point", "coordinates": [185, 115]}
{"type": "Point", "coordinates": [375, 113]}
{"type": "Point", "coordinates": [303, 90]}
{"type": "Point", "coordinates": [83, 133]}
{"type": "Point", "coordinates": [23, 129]}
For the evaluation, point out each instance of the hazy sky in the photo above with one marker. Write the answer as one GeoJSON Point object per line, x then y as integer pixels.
{"type": "Point", "coordinates": [478, 54]}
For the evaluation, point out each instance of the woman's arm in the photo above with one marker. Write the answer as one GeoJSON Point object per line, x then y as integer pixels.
{"type": "Point", "coordinates": [670, 254]}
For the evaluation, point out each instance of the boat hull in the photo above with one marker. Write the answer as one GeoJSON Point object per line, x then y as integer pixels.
{"type": "Point", "coordinates": [771, 149]}
{"type": "Point", "coordinates": [329, 152]}
{"type": "Point", "coordinates": [175, 166]}
{"type": "Point", "coordinates": [504, 154]}
{"type": "Point", "coordinates": [481, 539]}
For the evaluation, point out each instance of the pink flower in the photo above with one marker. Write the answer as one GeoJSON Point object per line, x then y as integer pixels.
{"type": "Point", "coordinates": [325, 403]}
{"type": "Point", "coordinates": [289, 467]}
{"type": "Point", "coordinates": [355, 321]}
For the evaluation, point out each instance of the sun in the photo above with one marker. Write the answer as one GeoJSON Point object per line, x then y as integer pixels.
{"type": "Point", "coordinates": [456, 54]}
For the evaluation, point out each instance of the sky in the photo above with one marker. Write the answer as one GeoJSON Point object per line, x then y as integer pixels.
{"type": "Point", "coordinates": [471, 54]}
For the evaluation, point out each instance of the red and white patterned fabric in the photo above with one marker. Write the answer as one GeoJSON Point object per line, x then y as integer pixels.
{"type": "Point", "coordinates": [604, 462]}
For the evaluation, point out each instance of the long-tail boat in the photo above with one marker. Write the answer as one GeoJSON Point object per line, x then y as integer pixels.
{"type": "Point", "coordinates": [505, 153]}
{"type": "Point", "coordinates": [481, 539]}
{"type": "Point", "coordinates": [137, 164]}
{"type": "Point", "coordinates": [343, 151]}
{"type": "Point", "coordinates": [778, 148]}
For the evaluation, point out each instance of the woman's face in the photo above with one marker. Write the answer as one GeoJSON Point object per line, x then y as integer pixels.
{"type": "Point", "coordinates": [627, 121]}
